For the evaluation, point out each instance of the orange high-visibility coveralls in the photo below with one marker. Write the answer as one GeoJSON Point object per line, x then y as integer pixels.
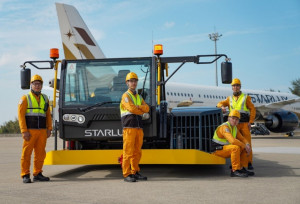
{"type": "Point", "coordinates": [37, 140]}
{"type": "Point", "coordinates": [132, 136]}
{"type": "Point", "coordinates": [243, 127]}
{"type": "Point", "coordinates": [236, 150]}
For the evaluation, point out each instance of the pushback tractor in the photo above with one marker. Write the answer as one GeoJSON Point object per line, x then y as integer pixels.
{"type": "Point", "coordinates": [89, 94]}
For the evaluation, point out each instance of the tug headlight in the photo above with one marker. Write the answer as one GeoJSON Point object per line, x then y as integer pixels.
{"type": "Point", "coordinates": [74, 118]}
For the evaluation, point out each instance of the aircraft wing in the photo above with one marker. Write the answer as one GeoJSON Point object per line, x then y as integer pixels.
{"type": "Point", "coordinates": [185, 103]}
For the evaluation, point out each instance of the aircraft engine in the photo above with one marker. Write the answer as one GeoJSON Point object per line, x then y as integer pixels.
{"type": "Point", "coordinates": [282, 121]}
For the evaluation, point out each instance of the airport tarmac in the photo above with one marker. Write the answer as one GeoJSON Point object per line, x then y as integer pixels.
{"type": "Point", "coordinates": [277, 179]}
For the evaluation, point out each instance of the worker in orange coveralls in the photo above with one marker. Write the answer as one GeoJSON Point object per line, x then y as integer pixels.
{"type": "Point", "coordinates": [132, 108]}
{"type": "Point", "coordinates": [241, 102]}
{"type": "Point", "coordinates": [228, 142]}
{"type": "Point", "coordinates": [35, 124]}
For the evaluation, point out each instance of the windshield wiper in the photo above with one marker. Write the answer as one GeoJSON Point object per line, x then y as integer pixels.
{"type": "Point", "coordinates": [97, 105]}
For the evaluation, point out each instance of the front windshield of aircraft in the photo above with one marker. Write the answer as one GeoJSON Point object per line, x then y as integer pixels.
{"type": "Point", "coordinates": [88, 82]}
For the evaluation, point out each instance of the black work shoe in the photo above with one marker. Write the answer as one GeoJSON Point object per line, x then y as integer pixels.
{"type": "Point", "coordinates": [250, 173]}
{"type": "Point", "coordinates": [250, 167]}
{"type": "Point", "coordinates": [40, 177]}
{"type": "Point", "coordinates": [138, 176]}
{"type": "Point", "coordinates": [238, 173]}
{"type": "Point", "coordinates": [26, 178]}
{"type": "Point", "coordinates": [130, 178]}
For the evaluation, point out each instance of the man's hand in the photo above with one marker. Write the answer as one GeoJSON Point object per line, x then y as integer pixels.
{"type": "Point", "coordinates": [48, 133]}
{"type": "Point", "coordinates": [248, 148]}
{"type": "Point", "coordinates": [26, 136]}
{"type": "Point", "coordinates": [249, 126]}
{"type": "Point", "coordinates": [223, 109]}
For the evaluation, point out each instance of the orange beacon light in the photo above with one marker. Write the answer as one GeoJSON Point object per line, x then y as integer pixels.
{"type": "Point", "coordinates": [54, 53]}
{"type": "Point", "coordinates": [158, 49]}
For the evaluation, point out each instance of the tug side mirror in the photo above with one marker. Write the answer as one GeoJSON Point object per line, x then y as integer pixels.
{"type": "Point", "coordinates": [226, 72]}
{"type": "Point", "coordinates": [51, 83]}
{"type": "Point", "coordinates": [25, 78]}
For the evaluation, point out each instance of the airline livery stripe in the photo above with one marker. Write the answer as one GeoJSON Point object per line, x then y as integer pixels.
{"type": "Point", "coordinates": [68, 54]}
{"type": "Point", "coordinates": [87, 53]}
{"type": "Point", "coordinates": [85, 36]}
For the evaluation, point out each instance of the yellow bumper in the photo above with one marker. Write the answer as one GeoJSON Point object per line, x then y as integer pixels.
{"type": "Point", "coordinates": [149, 156]}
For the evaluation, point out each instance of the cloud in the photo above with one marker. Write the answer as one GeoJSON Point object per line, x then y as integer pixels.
{"type": "Point", "coordinates": [243, 32]}
{"type": "Point", "coordinates": [169, 24]}
{"type": "Point", "coordinates": [185, 39]}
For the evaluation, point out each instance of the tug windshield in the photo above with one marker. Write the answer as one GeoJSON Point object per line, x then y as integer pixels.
{"type": "Point", "coordinates": [88, 82]}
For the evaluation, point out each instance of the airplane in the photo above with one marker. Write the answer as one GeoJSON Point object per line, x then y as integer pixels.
{"type": "Point", "coordinates": [279, 111]}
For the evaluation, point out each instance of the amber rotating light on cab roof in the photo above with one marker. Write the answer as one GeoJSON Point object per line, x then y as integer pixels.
{"type": "Point", "coordinates": [54, 53]}
{"type": "Point", "coordinates": [158, 49]}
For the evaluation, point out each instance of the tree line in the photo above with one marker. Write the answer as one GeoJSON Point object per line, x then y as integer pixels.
{"type": "Point", "coordinates": [295, 87]}
{"type": "Point", "coordinates": [10, 127]}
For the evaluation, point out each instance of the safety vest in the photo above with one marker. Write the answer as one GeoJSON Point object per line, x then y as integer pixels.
{"type": "Point", "coordinates": [136, 101]}
{"type": "Point", "coordinates": [223, 141]}
{"type": "Point", "coordinates": [36, 113]}
{"type": "Point", "coordinates": [240, 104]}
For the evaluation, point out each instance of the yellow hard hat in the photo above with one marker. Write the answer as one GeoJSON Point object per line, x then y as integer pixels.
{"type": "Point", "coordinates": [235, 113]}
{"type": "Point", "coordinates": [36, 78]}
{"type": "Point", "coordinates": [131, 75]}
{"type": "Point", "coordinates": [235, 81]}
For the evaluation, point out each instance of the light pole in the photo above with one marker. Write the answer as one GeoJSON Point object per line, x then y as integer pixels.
{"type": "Point", "coordinates": [215, 37]}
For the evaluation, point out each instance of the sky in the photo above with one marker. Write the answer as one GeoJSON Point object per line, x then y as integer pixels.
{"type": "Point", "coordinates": [260, 36]}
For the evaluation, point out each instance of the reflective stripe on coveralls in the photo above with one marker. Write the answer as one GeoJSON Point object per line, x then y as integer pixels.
{"type": "Point", "coordinates": [223, 141]}
{"type": "Point", "coordinates": [33, 107]}
{"type": "Point", "coordinates": [36, 113]}
{"type": "Point", "coordinates": [240, 104]}
{"type": "Point", "coordinates": [136, 101]}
